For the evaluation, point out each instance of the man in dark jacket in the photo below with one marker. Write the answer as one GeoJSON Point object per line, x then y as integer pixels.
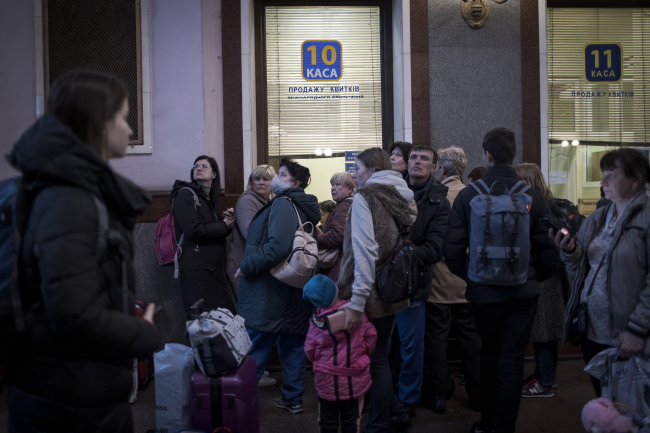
{"type": "Point", "coordinates": [504, 315]}
{"type": "Point", "coordinates": [427, 235]}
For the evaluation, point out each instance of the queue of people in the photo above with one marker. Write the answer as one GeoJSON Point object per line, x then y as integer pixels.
{"type": "Point", "coordinates": [76, 277]}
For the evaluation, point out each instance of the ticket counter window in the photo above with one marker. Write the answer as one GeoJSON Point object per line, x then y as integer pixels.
{"type": "Point", "coordinates": [599, 94]}
{"type": "Point", "coordinates": [323, 86]}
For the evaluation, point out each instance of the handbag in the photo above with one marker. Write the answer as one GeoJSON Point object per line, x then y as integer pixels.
{"type": "Point", "coordinates": [578, 324]}
{"type": "Point", "coordinates": [300, 266]}
{"type": "Point", "coordinates": [327, 257]}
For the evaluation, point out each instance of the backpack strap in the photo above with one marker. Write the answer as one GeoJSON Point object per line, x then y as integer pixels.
{"type": "Point", "coordinates": [179, 250]}
{"type": "Point", "coordinates": [482, 189]}
{"type": "Point", "coordinates": [517, 188]}
{"type": "Point", "coordinates": [300, 224]}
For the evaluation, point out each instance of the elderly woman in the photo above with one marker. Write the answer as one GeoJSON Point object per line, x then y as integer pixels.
{"type": "Point", "coordinates": [275, 311]}
{"type": "Point", "coordinates": [609, 260]}
{"type": "Point", "coordinates": [257, 194]}
{"type": "Point", "coordinates": [332, 236]}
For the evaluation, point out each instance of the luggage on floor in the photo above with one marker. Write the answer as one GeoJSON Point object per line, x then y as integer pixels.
{"type": "Point", "coordinates": [174, 369]}
{"type": "Point", "coordinates": [228, 401]}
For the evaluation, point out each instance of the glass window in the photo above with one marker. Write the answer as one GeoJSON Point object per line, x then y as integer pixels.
{"type": "Point", "coordinates": [598, 73]}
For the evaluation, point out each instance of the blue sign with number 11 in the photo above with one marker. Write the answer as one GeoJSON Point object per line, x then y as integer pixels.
{"type": "Point", "coordinates": [603, 63]}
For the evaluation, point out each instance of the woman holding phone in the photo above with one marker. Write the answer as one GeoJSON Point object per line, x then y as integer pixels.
{"type": "Point", "coordinates": [609, 261]}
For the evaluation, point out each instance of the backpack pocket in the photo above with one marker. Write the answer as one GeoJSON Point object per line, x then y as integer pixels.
{"type": "Point", "coordinates": [496, 265]}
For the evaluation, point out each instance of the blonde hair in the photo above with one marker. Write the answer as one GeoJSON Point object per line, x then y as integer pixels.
{"type": "Point", "coordinates": [345, 178]}
{"type": "Point", "coordinates": [263, 171]}
{"type": "Point", "coordinates": [531, 175]}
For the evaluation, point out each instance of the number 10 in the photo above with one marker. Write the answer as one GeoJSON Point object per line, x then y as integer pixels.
{"type": "Point", "coordinates": [608, 53]}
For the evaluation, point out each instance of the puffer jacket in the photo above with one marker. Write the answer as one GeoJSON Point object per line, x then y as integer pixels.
{"type": "Point", "coordinates": [333, 233]}
{"type": "Point", "coordinates": [341, 360]}
{"type": "Point", "coordinates": [267, 304]}
{"type": "Point", "coordinates": [628, 278]}
{"type": "Point", "coordinates": [83, 334]}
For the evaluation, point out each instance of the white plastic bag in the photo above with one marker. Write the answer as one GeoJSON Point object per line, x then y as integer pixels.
{"type": "Point", "coordinates": [219, 341]}
{"type": "Point", "coordinates": [174, 369]}
{"type": "Point", "coordinates": [625, 381]}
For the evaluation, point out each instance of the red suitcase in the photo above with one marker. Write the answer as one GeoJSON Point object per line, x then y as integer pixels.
{"type": "Point", "coordinates": [145, 366]}
{"type": "Point", "coordinates": [228, 401]}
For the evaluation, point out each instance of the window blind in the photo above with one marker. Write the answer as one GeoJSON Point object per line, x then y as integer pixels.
{"type": "Point", "coordinates": [338, 115]}
{"type": "Point", "coordinates": [616, 112]}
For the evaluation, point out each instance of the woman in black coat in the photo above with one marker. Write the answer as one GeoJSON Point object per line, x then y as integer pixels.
{"type": "Point", "coordinates": [201, 230]}
{"type": "Point", "coordinates": [74, 373]}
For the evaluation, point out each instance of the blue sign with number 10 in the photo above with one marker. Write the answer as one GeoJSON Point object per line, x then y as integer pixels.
{"type": "Point", "coordinates": [603, 63]}
{"type": "Point", "coordinates": [322, 60]}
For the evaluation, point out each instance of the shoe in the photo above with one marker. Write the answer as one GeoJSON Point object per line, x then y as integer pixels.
{"type": "Point", "coordinates": [438, 403]}
{"type": "Point", "coordinates": [266, 380]}
{"type": "Point", "coordinates": [480, 427]}
{"type": "Point", "coordinates": [401, 426]}
{"type": "Point", "coordinates": [536, 389]}
{"type": "Point", "coordinates": [530, 378]}
{"type": "Point", "coordinates": [293, 408]}
{"type": "Point", "coordinates": [410, 411]}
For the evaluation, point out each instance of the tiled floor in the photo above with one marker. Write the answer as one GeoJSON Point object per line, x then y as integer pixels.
{"type": "Point", "coordinates": [557, 415]}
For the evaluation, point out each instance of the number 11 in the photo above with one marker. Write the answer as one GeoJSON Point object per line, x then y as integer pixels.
{"type": "Point", "coordinates": [608, 53]}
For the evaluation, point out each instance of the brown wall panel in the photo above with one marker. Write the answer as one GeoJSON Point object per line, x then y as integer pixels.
{"type": "Point", "coordinates": [530, 110]}
{"type": "Point", "coordinates": [420, 90]}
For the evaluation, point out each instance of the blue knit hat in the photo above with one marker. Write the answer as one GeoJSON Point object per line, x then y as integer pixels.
{"type": "Point", "coordinates": [320, 290]}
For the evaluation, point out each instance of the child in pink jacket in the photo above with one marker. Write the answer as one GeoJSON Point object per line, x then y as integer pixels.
{"type": "Point", "coordinates": [341, 360]}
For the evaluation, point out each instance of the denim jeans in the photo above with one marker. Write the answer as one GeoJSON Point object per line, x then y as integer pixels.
{"type": "Point", "coordinates": [291, 349]}
{"type": "Point", "coordinates": [545, 362]}
{"type": "Point", "coordinates": [384, 404]}
{"type": "Point", "coordinates": [410, 326]}
{"type": "Point", "coordinates": [504, 328]}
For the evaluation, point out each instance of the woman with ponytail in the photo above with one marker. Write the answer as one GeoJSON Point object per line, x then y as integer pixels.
{"type": "Point", "coordinates": [609, 261]}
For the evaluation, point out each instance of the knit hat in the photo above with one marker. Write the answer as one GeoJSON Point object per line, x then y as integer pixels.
{"type": "Point", "coordinates": [320, 290]}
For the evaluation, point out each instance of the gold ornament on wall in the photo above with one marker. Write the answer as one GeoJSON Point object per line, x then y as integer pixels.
{"type": "Point", "coordinates": [475, 12]}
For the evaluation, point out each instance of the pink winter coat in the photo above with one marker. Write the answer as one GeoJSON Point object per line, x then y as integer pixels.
{"type": "Point", "coordinates": [341, 360]}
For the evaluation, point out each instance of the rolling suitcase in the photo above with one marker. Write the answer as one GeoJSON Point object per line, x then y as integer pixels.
{"type": "Point", "coordinates": [228, 401]}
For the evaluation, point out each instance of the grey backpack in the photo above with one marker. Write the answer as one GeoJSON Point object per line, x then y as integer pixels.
{"type": "Point", "coordinates": [499, 241]}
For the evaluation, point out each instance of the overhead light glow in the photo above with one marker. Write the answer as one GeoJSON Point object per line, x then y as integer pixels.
{"type": "Point", "coordinates": [564, 144]}
{"type": "Point", "coordinates": [328, 152]}
{"type": "Point", "coordinates": [319, 152]}
{"type": "Point", "coordinates": [575, 143]}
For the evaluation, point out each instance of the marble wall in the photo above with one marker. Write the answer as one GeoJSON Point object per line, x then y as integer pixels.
{"type": "Point", "coordinates": [156, 284]}
{"type": "Point", "coordinates": [475, 77]}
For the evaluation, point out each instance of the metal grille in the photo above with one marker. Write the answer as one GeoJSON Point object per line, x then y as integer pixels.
{"type": "Point", "coordinates": [98, 35]}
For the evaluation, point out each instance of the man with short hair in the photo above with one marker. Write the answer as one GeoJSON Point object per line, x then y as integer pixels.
{"type": "Point", "coordinates": [447, 303]}
{"type": "Point", "coordinates": [503, 314]}
{"type": "Point", "coordinates": [427, 235]}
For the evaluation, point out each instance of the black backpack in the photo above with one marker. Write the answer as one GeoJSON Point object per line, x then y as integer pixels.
{"type": "Point", "coordinates": [562, 214]}
{"type": "Point", "coordinates": [401, 275]}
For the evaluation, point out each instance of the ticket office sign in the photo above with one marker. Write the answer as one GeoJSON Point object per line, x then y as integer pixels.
{"type": "Point", "coordinates": [322, 60]}
{"type": "Point", "coordinates": [603, 63]}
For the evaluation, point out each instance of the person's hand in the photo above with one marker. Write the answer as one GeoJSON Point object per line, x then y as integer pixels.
{"type": "Point", "coordinates": [630, 345]}
{"type": "Point", "coordinates": [563, 240]}
{"type": "Point", "coordinates": [353, 318]}
{"type": "Point", "coordinates": [229, 213]}
{"type": "Point", "coordinates": [149, 312]}
{"type": "Point", "coordinates": [239, 274]}
{"type": "Point", "coordinates": [229, 221]}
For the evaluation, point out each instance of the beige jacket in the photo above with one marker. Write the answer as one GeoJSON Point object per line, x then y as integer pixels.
{"type": "Point", "coordinates": [447, 288]}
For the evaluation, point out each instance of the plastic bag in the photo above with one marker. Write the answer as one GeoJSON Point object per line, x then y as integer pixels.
{"type": "Point", "coordinates": [625, 381]}
{"type": "Point", "coordinates": [174, 369]}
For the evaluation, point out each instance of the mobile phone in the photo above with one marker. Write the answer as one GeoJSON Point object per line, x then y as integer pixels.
{"type": "Point", "coordinates": [335, 321]}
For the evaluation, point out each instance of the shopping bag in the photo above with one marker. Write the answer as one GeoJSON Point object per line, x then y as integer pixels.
{"type": "Point", "coordinates": [625, 381]}
{"type": "Point", "coordinates": [174, 368]}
